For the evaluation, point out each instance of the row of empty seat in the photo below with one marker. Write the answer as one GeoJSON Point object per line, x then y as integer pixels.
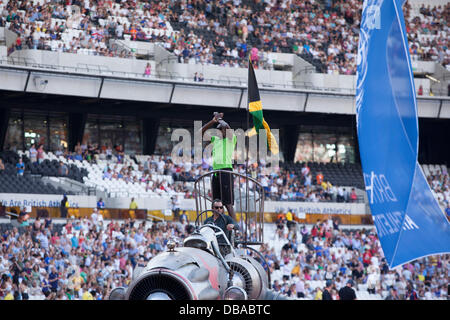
{"type": "Point", "coordinates": [433, 169]}
{"type": "Point", "coordinates": [338, 174]}
{"type": "Point", "coordinates": [27, 184]}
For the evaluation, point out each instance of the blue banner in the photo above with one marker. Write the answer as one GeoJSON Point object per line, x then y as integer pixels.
{"type": "Point", "coordinates": [409, 222]}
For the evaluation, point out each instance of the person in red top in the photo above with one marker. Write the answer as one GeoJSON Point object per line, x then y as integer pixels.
{"type": "Point", "coordinates": [40, 153]}
{"type": "Point", "coordinates": [133, 33]}
{"type": "Point", "coordinates": [69, 227]}
{"type": "Point", "coordinates": [19, 43]}
{"type": "Point", "coordinates": [319, 178]}
{"type": "Point", "coordinates": [366, 258]}
{"type": "Point", "coordinates": [314, 231]}
{"type": "Point", "coordinates": [353, 196]}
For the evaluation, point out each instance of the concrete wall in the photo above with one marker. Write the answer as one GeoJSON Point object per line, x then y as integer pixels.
{"type": "Point", "coordinates": [3, 48]}
{"type": "Point", "coordinates": [10, 37]}
{"type": "Point", "coordinates": [233, 76]}
{"type": "Point", "coordinates": [140, 45]}
{"type": "Point", "coordinates": [423, 66]}
{"type": "Point", "coordinates": [299, 70]}
{"type": "Point", "coordinates": [347, 83]}
{"type": "Point", "coordinates": [72, 60]}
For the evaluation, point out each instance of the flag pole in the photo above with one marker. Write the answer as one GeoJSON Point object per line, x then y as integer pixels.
{"type": "Point", "coordinates": [246, 160]}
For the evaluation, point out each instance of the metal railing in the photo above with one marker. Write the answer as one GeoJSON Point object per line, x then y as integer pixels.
{"type": "Point", "coordinates": [103, 70]}
{"type": "Point", "coordinates": [247, 199]}
{"type": "Point", "coordinates": [96, 70]}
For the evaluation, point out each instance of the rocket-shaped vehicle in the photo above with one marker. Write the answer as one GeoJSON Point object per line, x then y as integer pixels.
{"type": "Point", "coordinates": [210, 265]}
{"type": "Point", "coordinates": [199, 271]}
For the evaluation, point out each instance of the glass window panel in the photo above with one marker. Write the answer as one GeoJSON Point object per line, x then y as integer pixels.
{"type": "Point", "coordinates": [164, 145]}
{"type": "Point", "coordinates": [346, 149]}
{"type": "Point", "coordinates": [324, 147]}
{"type": "Point", "coordinates": [58, 133]}
{"type": "Point", "coordinates": [133, 143]}
{"type": "Point", "coordinates": [111, 133]}
{"type": "Point", "coordinates": [91, 133]}
{"type": "Point", "coordinates": [35, 131]}
{"type": "Point", "coordinates": [14, 135]}
{"type": "Point", "coordinates": [304, 150]}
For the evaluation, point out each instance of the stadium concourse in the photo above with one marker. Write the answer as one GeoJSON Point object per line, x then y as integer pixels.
{"type": "Point", "coordinates": [324, 33]}
{"type": "Point", "coordinates": [85, 258]}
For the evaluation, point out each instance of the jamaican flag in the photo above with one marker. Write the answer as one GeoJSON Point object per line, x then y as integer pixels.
{"type": "Point", "coordinates": [255, 109]}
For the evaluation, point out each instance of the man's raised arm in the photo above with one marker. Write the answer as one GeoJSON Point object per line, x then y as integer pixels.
{"type": "Point", "coordinates": [217, 116]}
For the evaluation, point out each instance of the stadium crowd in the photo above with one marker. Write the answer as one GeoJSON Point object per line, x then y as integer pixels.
{"type": "Point", "coordinates": [440, 186]}
{"type": "Point", "coordinates": [217, 31]}
{"type": "Point", "coordinates": [85, 258]}
{"type": "Point", "coordinates": [327, 253]}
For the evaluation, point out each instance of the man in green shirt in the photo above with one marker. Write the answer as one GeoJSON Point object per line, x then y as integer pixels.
{"type": "Point", "coordinates": [222, 153]}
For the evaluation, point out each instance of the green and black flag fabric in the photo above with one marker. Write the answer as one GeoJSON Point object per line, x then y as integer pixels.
{"type": "Point", "coordinates": [255, 109]}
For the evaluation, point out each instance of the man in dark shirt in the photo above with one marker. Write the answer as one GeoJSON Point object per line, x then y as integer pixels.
{"type": "Point", "coordinates": [326, 292]}
{"type": "Point", "coordinates": [223, 221]}
{"type": "Point", "coordinates": [347, 292]}
{"type": "Point", "coordinates": [53, 280]}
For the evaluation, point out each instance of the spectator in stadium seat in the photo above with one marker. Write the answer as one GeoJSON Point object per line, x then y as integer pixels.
{"type": "Point", "coordinates": [326, 293]}
{"type": "Point", "coordinates": [120, 153]}
{"type": "Point", "coordinates": [33, 153]}
{"type": "Point", "coordinates": [308, 180]}
{"type": "Point", "coordinates": [40, 153]}
{"type": "Point", "coordinates": [100, 204]}
{"type": "Point", "coordinates": [19, 43]}
{"type": "Point", "coordinates": [63, 170]}
{"type": "Point", "coordinates": [319, 178]}
{"type": "Point", "coordinates": [393, 294]}
{"type": "Point", "coordinates": [411, 294]}
{"type": "Point", "coordinates": [353, 196]}
{"type": "Point", "coordinates": [2, 165]}
{"type": "Point", "coordinates": [108, 152]}
{"type": "Point", "coordinates": [318, 294]}
{"type": "Point", "coordinates": [340, 195]}
{"type": "Point", "coordinates": [305, 170]}
{"type": "Point", "coordinates": [347, 292]}
{"type": "Point", "coordinates": [53, 279]}
{"type": "Point", "coordinates": [20, 166]}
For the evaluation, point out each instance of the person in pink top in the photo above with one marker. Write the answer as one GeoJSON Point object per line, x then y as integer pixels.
{"type": "Point", "coordinates": [148, 70]}
{"type": "Point", "coordinates": [40, 153]}
{"type": "Point", "coordinates": [254, 56]}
